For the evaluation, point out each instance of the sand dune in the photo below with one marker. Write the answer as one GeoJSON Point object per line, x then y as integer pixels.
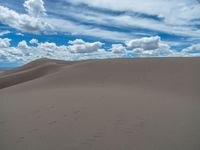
{"type": "Point", "coordinates": [114, 104]}
{"type": "Point", "coordinates": [31, 71]}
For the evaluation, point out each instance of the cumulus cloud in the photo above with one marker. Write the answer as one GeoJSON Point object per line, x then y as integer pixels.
{"type": "Point", "coordinates": [35, 8]}
{"type": "Point", "coordinates": [5, 42]}
{"type": "Point", "coordinates": [23, 22]}
{"type": "Point", "coordinates": [78, 50]}
{"type": "Point", "coordinates": [118, 49]}
{"type": "Point", "coordinates": [192, 49]}
{"type": "Point", "coordinates": [77, 42]}
{"type": "Point", "coordinates": [146, 43]}
{"type": "Point", "coordinates": [80, 46]}
{"type": "Point", "coordinates": [49, 48]}
{"type": "Point", "coordinates": [23, 45]}
{"type": "Point", "coordinates": [33, 41]}
{"type": "Point", "coordinates": [11, 55]}
{"type": "Point", "coordinates": [8, 53]}
{"type": "Point", "coordinates": [149, 46]}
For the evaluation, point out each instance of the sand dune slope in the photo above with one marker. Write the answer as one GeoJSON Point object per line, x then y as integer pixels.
{"type": "Point", "coordinates": [30, 71]}
{"type": "Point", "coordinates": [115, 104]}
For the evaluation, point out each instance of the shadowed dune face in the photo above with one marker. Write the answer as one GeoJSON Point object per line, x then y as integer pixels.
{"type": "Point", "coordinates": [115, 104]}
{"type": "Point", "coordinates": [31, 71]}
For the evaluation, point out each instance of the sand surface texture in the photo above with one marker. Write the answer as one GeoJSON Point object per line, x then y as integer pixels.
{"type": "Point", "coordinates": [114, 104]}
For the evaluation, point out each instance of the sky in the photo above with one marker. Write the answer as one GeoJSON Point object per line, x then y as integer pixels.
{"type": "Point", "coordinates": [97, 29]}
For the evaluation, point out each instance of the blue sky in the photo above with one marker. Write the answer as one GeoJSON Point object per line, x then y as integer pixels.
{"type": "Point", "coordinates": [85, 29]}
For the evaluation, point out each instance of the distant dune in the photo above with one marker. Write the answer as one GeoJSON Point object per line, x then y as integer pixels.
{"type": "Point", "coordinates": [31, 71]}
{"type": "Point", "coordinates": [112, 104]}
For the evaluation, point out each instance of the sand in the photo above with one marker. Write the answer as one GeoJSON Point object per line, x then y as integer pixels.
{"type": "Point", "coordinates": [114, 104]}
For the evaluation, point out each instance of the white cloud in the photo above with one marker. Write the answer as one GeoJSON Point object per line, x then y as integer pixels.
{"type": "Point", "coordinates": [4, 43]}
{"type": "Point", "coordinates": [173, 11]}
{"type": "Point", "coordinates": [66, 26]}
{"type": "Point", "coordinates": [33, 41]}
{"type": "Point", "coordinates": [192, 49]}
{"type": "Point", "coordinates": [135, 21]}
{"type": "Point", "coordinates": [22, 22]}
{"type": "Point", "coordinates": [80, 50]}
{"type": "Point", "coordinates": [149, 46]}
{"type": "Point", "coordinates": [23, 45]}
{"type": "Point", "coordinates": [160, 52]}
{"type": "Point", "coordinates": [77, 50]}
{"type": "Point", "coordinates": [11, 54]}
{"type": "Point", "coordinates": [35, 8]}
{"type": "Point", "coordinates": [80, 46]}
{"type": "Point", "coordinates": [48, 47]}
{"type": "Point", "coordinates": [77, 42]}
{"type": "Point", "coordinates": [47, 25]}
{"type": "Point", "coordinates": [4, 32]}
{"type": "Point", "coordinates": [177, 17]}
{"type": "Point", "coordinates": [118, 49]}
{"type": "Point", "coordinates": [20, 34]}
{"type": "Point", "coordinates": [146, 43]}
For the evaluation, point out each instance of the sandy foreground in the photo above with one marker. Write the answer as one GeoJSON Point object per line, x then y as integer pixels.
{"type": "Point", "coordinates": [114, 104]}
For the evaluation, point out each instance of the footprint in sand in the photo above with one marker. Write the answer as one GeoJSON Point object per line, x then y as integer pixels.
{"type": "Point", "coordinates": [21, 138]}
{"type": "Point", "coordinates": [96, 136]}
{"type": "Point", "coordinates": [38, 117]}
{"type": "Point", "coordinates": [52, 122]}
{"type": "Point", "coordinates": [77, 112]}
{"type": "Point", "coordinates": [34, 130]}
{"type": "Point", "coordinates": [50, 107]}
{"type": "Point", "coordinates": [65, 115]}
